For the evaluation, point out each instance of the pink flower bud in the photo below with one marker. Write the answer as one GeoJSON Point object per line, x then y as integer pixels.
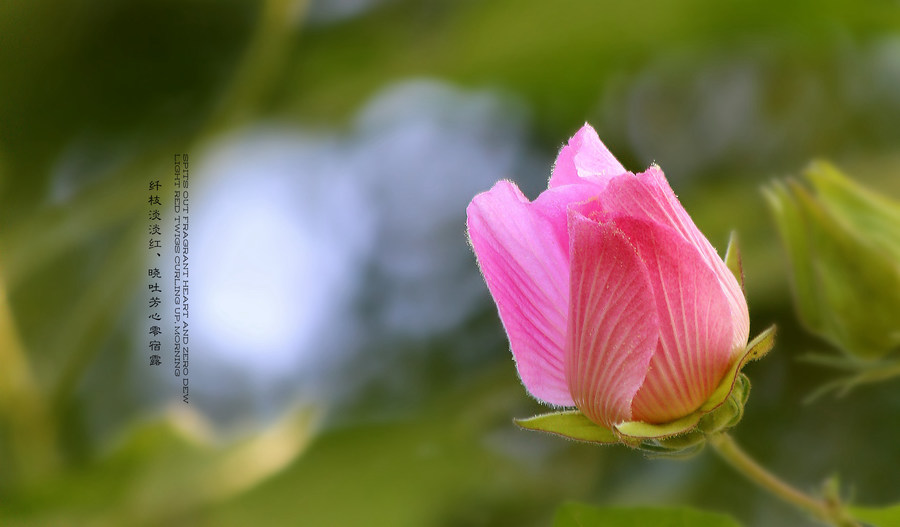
{"type": "Point", "coordinates": [614, 302]}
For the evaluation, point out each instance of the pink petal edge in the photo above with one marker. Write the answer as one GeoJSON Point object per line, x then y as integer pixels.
{"type": "Point", "coordinates": [585, 158]}
{"type": "Point", "coordinates": [522, 249]}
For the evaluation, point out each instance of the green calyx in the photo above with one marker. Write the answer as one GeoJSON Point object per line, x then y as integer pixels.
{"type": "Point", "coordinates": [682, 437]}
{"type": "Point", "coordinates": [571, 424]}
{"type": "Point", "coordinates": [733, 260]}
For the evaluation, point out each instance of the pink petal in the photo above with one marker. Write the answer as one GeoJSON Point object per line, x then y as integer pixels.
{"type": "Point", "coordinates": [523, 251]}
{"type": "Point", "coordinates": [695, 324]}
{"type": "Point", "coordinates": [584, 158]}
{"type": "Point", "coordinates": [613, 326]}
{"type": "Point", "coordinates": [648, 196]}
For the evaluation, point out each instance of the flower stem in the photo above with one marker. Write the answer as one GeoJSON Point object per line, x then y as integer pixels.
{"type": "Point", "coordinates": [864, 374]}
{"type": "Point", "coordinates": [828, 511]}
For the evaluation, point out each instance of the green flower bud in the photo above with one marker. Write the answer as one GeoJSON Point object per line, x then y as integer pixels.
{"type": "Point", "coordinates": [843, 243]}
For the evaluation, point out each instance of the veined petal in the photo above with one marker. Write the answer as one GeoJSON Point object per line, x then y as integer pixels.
{"type": "Point", "coordinates": [695, 324]}
{"type": "Point", "coordinates": [522, 249]}
{"type": "Point", "coordinates": [648, 196]}
{"type": "Point", "coordinates": [585, 158]}
{"type": "Point", "coordinates": [613, 327]}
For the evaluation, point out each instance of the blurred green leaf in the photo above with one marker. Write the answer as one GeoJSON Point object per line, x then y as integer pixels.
{"type": "Point", "coordinates": [579, 515]}
{"type": "Point", "coordinates": [162, 471]}
{"type": "Point", "coordinates": [878, 516]}
{"type": "Point", "coordinates": [461, 463]}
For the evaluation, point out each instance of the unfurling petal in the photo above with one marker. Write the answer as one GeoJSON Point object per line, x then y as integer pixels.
{"type": "Point", "coordinates": [613, 326]}
{"type": "Point", "coordinates": [585, 159]}
{"type": "Point", "coordinates": [695, 325]}
{"type": "Point", "coordinates": [523, 251]}
{"type": "Point", "coordinates": [648, 196]}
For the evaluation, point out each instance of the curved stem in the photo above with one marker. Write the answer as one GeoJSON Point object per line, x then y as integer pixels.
{"type": "Point", "coordinates": [828, 511]}
{"type": "Point", "coordinates": [874, 375]}
{"type": "Point", "coordinates": [871, 373]}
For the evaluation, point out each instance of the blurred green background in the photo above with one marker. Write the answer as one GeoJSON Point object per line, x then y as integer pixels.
{"type": "Point", "coordinates": [349, 367]}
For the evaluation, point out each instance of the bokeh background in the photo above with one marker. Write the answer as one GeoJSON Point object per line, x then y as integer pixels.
{"type": "Point", "coordinates": [348, 365]}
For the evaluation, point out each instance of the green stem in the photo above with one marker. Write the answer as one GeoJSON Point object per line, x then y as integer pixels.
{"type": "Point", "coordinates": [874, 375]}
{"type": "Point", "coordinates": [870, 373]}
{"type": "Point", "coordinates": [828, 511]}
{"type": "Point", "coordinates": [260, 66]}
